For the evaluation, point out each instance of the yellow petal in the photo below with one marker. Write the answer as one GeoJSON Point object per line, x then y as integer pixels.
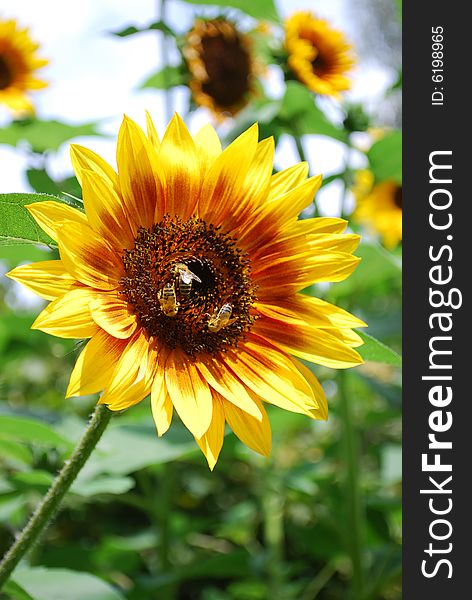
{"type": "Point", "coordinates": [139, 182]}
{"type": "Point", "coordinates": [276, 214]}
{"type": "Point", "coordinates": [88, 257]}
{"type": "Point", "coordinates": [320, 410]}
{"type": "Point", "coordinates": [315, 345]}
{"type": "Point", "coordinates": [225, 179]}
{"type": "Point", "coordinates": [286, 180]}
{"type": "Point", "coordinates": [255, 434]}
{"type": "Point", "coordinates": [269, 373]}
{"type": "Point", "coordinates": [105, 211]}
{"type": "Point", "coordinates": [95, 365]}
{"type": "Point", "coordinates": [129, 383]}
{"type": "Point", "coordinates": [111, 313]}
{"type": "Point", "coordinates": [189, 393]}
{"type": "Point", "coordinates": [227, 384]}
{"type": "Point", "coordinates": [68, 316]}
{"type": "Point", "coordinates": [83, 158]}
{"type": "Point", "coordinates": [310, 311]}
{"type": "Point", "coordinates": [208, 146]}
{"type": "Point", "coordinates": [180, 166]}
{"type": "Point", "coordinates": [51, 215]}
{"type": "Point", "coordinates": [48, 278]}
{"type": "Point", "coordinates": [161, 404]}
{"type": "Point", "coordinates": [293, 273]}
{"type": "Point", "coordinates": [253, 192]}
{"type": "Point", "coordinates": [153, 137]}
{"type": "Point", "coordinates": [212, 441]}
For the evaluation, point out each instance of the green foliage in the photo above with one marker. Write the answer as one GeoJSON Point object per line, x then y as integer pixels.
{"type": "Point", "coordinates": [17, 226]}
{"type": "Point", "coordinates": [44, 135]}
{"type": "Point", "coordinates": [385, 157]}
{"type": "Point", "coordinates": [133, 30]}
{"type": "Point", "coordinates": [299, 113]}
{"type": "Point", "coordinates": [166, 78]}
{"type": "Point", "coordinates": [30, 430]}
{"type": "Point", "coordinates": [262, 9]}
{"type": "Point", "coordinates": [376, 351]}
{"type": "Point", "coordinates": [56, 584]}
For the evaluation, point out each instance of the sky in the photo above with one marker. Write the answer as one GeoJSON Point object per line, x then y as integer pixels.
{"type": "Point", "coordinates": [95, 76]}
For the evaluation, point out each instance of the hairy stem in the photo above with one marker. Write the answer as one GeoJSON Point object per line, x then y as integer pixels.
{"type": "Point", "coordinates": [50, 504]}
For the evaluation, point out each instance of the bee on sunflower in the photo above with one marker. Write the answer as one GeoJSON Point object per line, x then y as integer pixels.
{"type": "Point", "coordinates": [318, 55]}
{"type": "Point", "coordinates": [379, 206]}
{"type": "Point", "coordinates": [185, 273]}
{"type": "Point", "coordinates": [18, 66]}
{"type": "Point", "coordinates": [222, 66]}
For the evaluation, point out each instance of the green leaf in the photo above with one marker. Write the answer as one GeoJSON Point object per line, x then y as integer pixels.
{"type": "Point", "coordinates": [42, 182]}
{"type": "Point", "coordinates": [32, 431]}
{"type": "Point", "coordinates": [303, 117]}
{"type": "Point", "coordinates": [57, 584]}
{"type": "Point", "coordinates": [113, 456]}
{"type": "Point", "coordinates": [376, 351]}
{"type": "Point", "coordinates": [385, 158]}
{"type": "Point", "coordinates": [15, 452]}
{"type": "Point", "coordinates": [102, 485]}
{"type": "Point", "coordinates": [132, 29]}
{"type": "Point", "coordinates": [44, 135]}
{"type": "Point", "coordinates": [15, 592]}
{"type": "Point", "coordinates": [259, 9]}
{"type": "Point", "coordinates": [166, 78]}
{"type": "Point", "coordinates": [17, 226]}
{"type": "Point", "coordinates": [38, 479]}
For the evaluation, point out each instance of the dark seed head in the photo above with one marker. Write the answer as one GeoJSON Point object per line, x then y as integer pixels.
{"type": "Point", "coordinates": [222, 275]}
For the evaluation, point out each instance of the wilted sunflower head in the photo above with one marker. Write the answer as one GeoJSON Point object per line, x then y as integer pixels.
{"type": "Point", "coordinates": [18, 63]}
{"type": "Point", "coordinates": [222, 66]}
{"type": "Point", "coordinates": [318, 55]}
{"type": "Point", "coordinates": [184, 269]}
{"type": "Point", "coordinates": [379, 207]}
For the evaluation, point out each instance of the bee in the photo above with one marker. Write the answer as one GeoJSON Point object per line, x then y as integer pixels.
{"type": "Point", "coordinates": [221, 318]}
{"type": "Point", "coordinates": [185, 278]}
{"type": "Point", "coordinates": [168, 300]}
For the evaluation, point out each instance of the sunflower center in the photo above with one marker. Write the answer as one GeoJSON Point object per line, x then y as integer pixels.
{"type": "Point", "coordinates": [398, 197]}
{"type": "Point", "coordinates": [320, 64]}
{"type": "Point", "coordinates": [6, 76]}
{"type": "Point", "coordinates": [189, 285]}
{"type": "Point", "coordinates": [228, 67]}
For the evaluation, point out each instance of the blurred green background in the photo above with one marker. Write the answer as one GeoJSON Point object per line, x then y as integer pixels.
{"type": "Point", "coordinates": [146, 519]}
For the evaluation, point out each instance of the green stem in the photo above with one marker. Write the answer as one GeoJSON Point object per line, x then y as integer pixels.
{"type": "Point", "coordinates": [165, 60]}
{"type": "Point", "coordinates": [273, 512]}
{"type": "Point", "coordinates": [347, 176]}
{"type": "Point", "coordinates": [300, 148]}
{"type": "Point", "coordinates": [350, 450]}
{"type": "Point", "coordinates": [302, 156]}
{"type": "Point", "coordinates": [50, 504]}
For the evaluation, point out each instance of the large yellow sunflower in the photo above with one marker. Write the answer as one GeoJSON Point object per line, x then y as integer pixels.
{"type": "Point", "coordinates": [185, 272]}
{"type": "Point", "coordinates": [222, 66]}
{"type": "Point", "coordinates": [379, 207]}
{"type": "Point", "coordinates": [18, 63]}
{"type": "Point", "coordinates": [318, 55]}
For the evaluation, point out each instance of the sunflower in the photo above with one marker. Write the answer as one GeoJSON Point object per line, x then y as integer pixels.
{"type": "Point", "coordinates": [185, 271]}
{"type": "Point", "coordinates": [318, 55]}
{"type": "Point", "coordinates": [18, 63]}
{"type": "Point", "coordinates": [221, 65]}
{"type": "Point", "coordinates": [379, 207]}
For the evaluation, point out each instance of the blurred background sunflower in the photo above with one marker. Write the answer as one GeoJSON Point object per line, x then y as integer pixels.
{"type": "Point", "coordinates": [18, 65]}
